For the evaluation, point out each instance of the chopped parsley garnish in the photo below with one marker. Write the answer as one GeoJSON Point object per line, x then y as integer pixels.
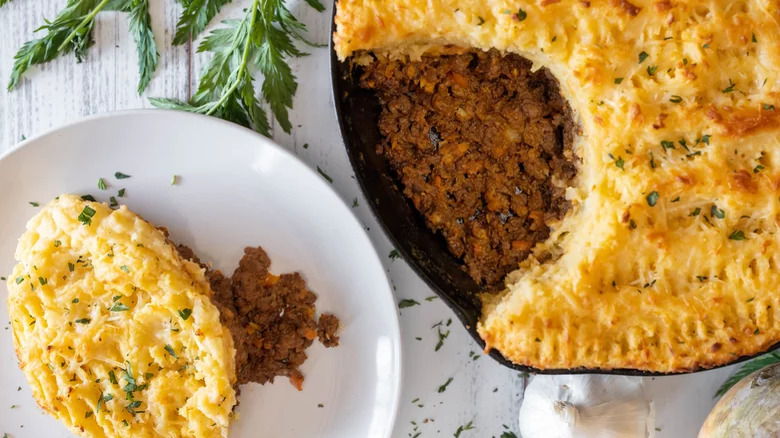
{"type": "Point", "coordinates": [19, 280]}
{"type": "Point", "coordinates": [88, 414]}
{"type": "Point", "coordinates": [642, 56]}
{"type": "Point", "coordinates": [705, 46]}
{"type": "Point", "coordinates": [753, 38]}
{"type": "Point", "coordinates": [121, 193]}
{"type": "Point", "coordinates": [480, 21]}
{"type": "Point", "coordinates": [112, 377]}
{"type": "Point", "coordinates": [442, 337]}
{"type": "Point", "coordinates": [463, 428]}
{"type": "Point", "coordinates": [431, 298]}
{"type": "Point", "coordinates": [130, 387]}
{"type": "Point", "coordinates": [325, 175]}
{"type": "Point", "coordinates": [652, 161]}
{"type": "Point", "coordinates": [86, 215]}
{"type": "Point", "coordinates": [620, 162]}
{"type": "Point", "coordinates": [675, 99]}
{"type": "Point", "coordinates": [135, 404]}
{"type": "Point", "coordinates": [102, 184]}
{"type": "Point", "coordinates": [652, 69]}
{"type": "Point", "coordinates": [113, 203]}
{"type": "Point", "coordinates": [355, 203]}
{"type": "Point", "coordinates": [737, 235]}
{"type": "Point", "coordinates": [407, 303]}
{"type": "Point", "coordinates": [42, 280]}
{"type": "Point", "coordinates": [508, 434]}
{"type": "Point", "coordinates": [696, 211]}
{"type": "Point", "coordinates": [652, 198]}
{"type": "Point", "coordinates": [120, 175]}
{"type": "Point", "coordinates": [103, 398]}
{"type": "Point", "coordinates": [117, 298]}
{"type": "Point", "coordinates": [520, 15]}
{"type": "Point", "coordinates": [34, 204]}
{"type": "Point", "coordinates": [71, 267]}
{"type": "Point", "coordinates": [185, 313]}
{"type": "Point", "coordinates": [170, 351]}
{"type": "Point", "coordinates": [119, 307]}
{"type": "Point", "coordinates": [758, 168]}
{"type": "Point", "coordinates": [750, 299]}
{"type": "Point", "coordinates": [125, 269]}
{"type": "Point", "coordinates": [677, 199]}
{"type": "Point", "coordinates": [443, 388]}
{"type": "Point", "coordinates": [730, 88]}
{"type": "Point", "coordinates": [306, 145]}
{"type": "Point", "coordinates": [174, 178]}
{"type": "Point", "coordinates": [83, 321]}
{"type": "Point", "coordinates": [768, 107]}
{"type": "Point", "coordinates": [716, 212]}
{"type": "Point", "coordinates": [57, 243]}
{"type": "Point", "coordinates": [394, 255]}
{"type": "Point", "coordinates": [701, 278]}
{"type": "Point", "coordinates": [618, 81]}
{"type": "Point", "coordinates": [666, 144]}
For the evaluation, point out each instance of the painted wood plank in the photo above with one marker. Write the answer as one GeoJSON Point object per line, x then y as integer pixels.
{"type": "Point", "coordinates": [63, 90]}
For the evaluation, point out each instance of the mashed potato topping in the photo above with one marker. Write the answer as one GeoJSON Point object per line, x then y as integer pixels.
{"type": "Point", "coordinates": [668, 259]}
{"type": "Point", "coordinates": [114, 331]}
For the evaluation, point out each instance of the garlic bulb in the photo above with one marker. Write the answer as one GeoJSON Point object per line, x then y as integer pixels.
{"type": "Point", "coordinates": [586, 406]}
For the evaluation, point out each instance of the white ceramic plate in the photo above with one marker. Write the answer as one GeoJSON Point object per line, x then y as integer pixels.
{"type": "Point", "coordinates": [234, 189]}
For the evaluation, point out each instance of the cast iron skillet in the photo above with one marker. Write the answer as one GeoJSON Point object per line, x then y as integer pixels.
{"type": "Point", "coordinates": [358, 111]}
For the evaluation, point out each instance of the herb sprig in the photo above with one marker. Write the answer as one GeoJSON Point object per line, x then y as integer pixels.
{"type": "Point", "coordinates": [747, 369]}
{"type": "Point", "coordinates": [71, 31]}
{"type": "Point", "coordinates": [262, 40]}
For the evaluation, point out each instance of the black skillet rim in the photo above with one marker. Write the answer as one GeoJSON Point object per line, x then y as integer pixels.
{"type": "Point", "coordinates": [467, 318]}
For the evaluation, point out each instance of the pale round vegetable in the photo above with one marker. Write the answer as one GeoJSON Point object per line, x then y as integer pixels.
{"type": "Point", "coordinates": [750, 409]}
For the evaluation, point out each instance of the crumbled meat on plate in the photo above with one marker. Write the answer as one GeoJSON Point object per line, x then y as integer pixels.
{"type": "Point", "coordinates": [272, 318]}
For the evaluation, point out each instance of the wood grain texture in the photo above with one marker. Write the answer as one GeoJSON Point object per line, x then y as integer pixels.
{"type": "Point", "coordinates": [63, 90]}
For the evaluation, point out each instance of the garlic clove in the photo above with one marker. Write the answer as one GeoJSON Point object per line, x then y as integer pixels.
{"type": "Point", "coordinates": [585, 406]}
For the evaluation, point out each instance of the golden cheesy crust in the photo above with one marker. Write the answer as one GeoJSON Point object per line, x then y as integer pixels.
{"type": "Point", "coordinates": [668, 260]}
{"type": "Point", "coordinates": [115, 333]}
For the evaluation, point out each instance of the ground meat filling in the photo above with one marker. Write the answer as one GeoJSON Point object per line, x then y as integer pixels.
{"type": "Point", "coordinates": [271, 318]}
{"type": "Point", "coordinates": [482, 147]}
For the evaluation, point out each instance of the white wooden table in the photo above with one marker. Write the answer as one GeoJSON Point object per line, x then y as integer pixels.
{"type": "Point", "coordinates": [481, 392]}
